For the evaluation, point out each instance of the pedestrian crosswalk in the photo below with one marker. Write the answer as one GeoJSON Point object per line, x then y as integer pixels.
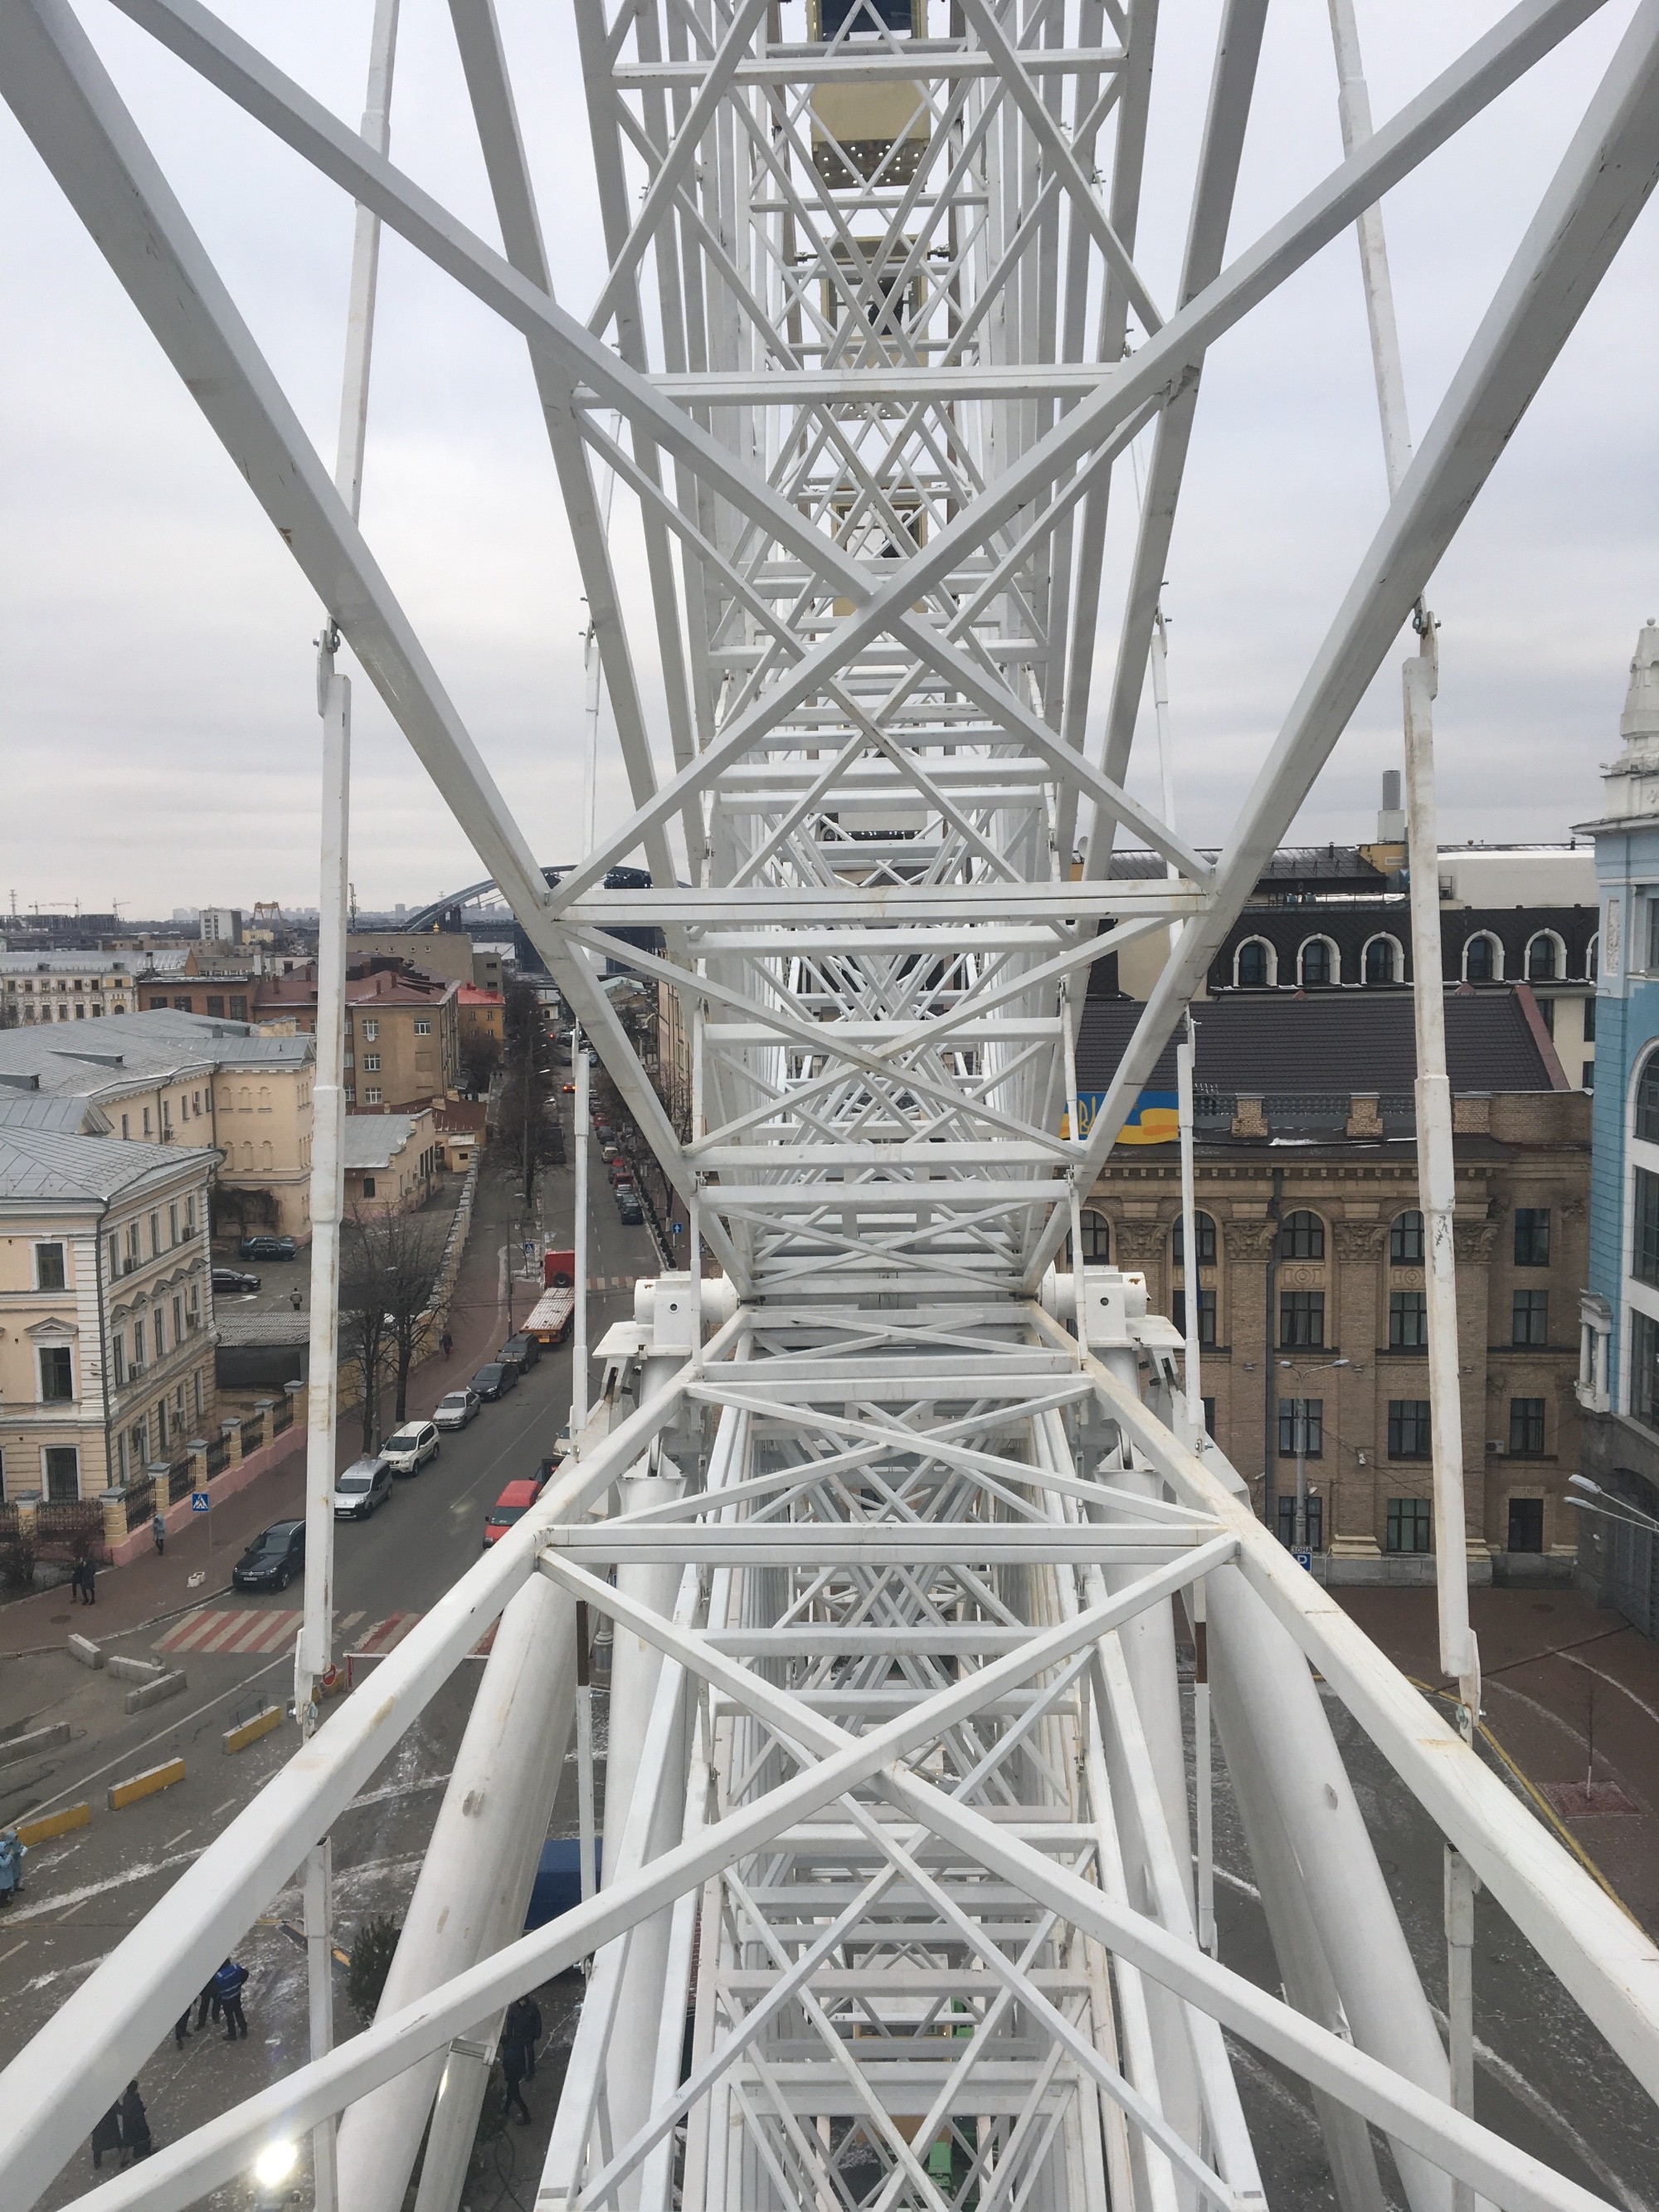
{"type": "Point", "coordinates": [611, 1282]}
{"type": "Point", "coordinates": [226, 1630]}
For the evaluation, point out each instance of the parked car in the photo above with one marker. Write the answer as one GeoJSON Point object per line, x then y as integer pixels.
{"type": "Point", "coordinates": [272, 1561]}
{"type": "Point", "coordinates": [628, 1209]}
{"type": "Point", "coordinates": [495, 1379]}
{"type": "Point", "coordinates": [548, 1467]}
{"type": "Point", "coordinates": [233, 1278]}
{"type": "Point", "coordinates": [620, 1171]}
{"type": "Point", "coordinates": [366, 1484]}
{"type": "Point", "coordinates": [604, 1132]}
{"type": "Point", "coordinates": [456, 1408]}
{"type": "Point", "coordinates": [521, 1351]}
{"type": "Point", "coordinates": [514, 1502]}
{"type": "Point", "coordinates": [268, 1248]}
{"type": "Point", "coordinates": [407, 1451]}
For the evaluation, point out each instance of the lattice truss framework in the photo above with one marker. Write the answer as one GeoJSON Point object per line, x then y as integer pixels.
{"type": "Point", "coordinates": [906, 1824]}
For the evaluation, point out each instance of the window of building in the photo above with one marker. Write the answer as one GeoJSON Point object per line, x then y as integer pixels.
{"type": "Point", "coordinates": [1302, 1237]}
{"type": "Point", "coordinates": [160, 1332]}
{"type": "Point", "coordinates": [1525, 1425]}
{"type": "Point", "coordinates": [1405, 1241]}
{"type": "Point", "coordinates": [371, 1096]}
{"type": "Point", "coordinates": [1653, 933]}
{"type": "Point", "coordinates": [61, 1467]}
{"type": "Point", "coordinates": [1644, 1370]}
{"type": "Point", "coordinates": [1532, 1236]}
{"type": "Point", "coordinates": [1301, 1321]}
{"type": "Point", "coordinates": [1206, 1313]}
{"type": "Point", "coordinates": [1253, 967]}
{"type": "Point", "coordinates": [215, 1004]}
{"type": "Point", "coordinates": [1483, 961]}
{"type": "Point", "coordinates": [48, 1274]}
{"type": "Point", "coordinates": [371, 1063]}
{"type": "Point", "coordinates": [57, 1374]}
{"type": "Point", "coordinates": [182, 1005]}
{"type": "Point", "coordinates": [193, 1308]}
{"type": "Point", "coordinates": [190, 1217]}
{"type": "Point", "coordinates": [1647, 1100]}
{"type": "Point", "coordinates": [1589, 1019]}
{"type": "Point", "coordinates": [1409, 1525]}
{"type": "Point", "coordinates": [1526, 1524]}
{"type": "Point", "coordinates": [1096, 1239]}
{"type": "Point", "coordinates": [237, 1006]}
{"type": "Point", "coordinates": [123, 1127]}
{"type": "Point", "coordinates": [1311, 1411]}
{"type": "Point", "coordinates": [351, 1095]}
{"type": "Point", "coordinates": [423, 1027]}
{"type": "Point", "coordinates": [1408, 1428]}
{"type": "Point", "coordinates": [119, 1353]}
{"type": "Point", "coordinates": [147, 1120]}
{"type": "Point", "coordinates": [1317, 963]}
{"type": "Point", "coordinates": [155, 1236]}
{"type": "Point", "coordinates": [1203, 1230]}
{"type": "Point", "coordinates": [178, 1319]}
{"type": "Point", "coordinates": [1408, 1321]}
{"type": "Point", "coordinates": [173, 1223]}
{"type": "Point", "coordinates": [1209, 1418]}
{"type": "Point", "coordinates": [1530, 1321]}
{"type": "Point", "coordinates": [371, 1030]}
{"type": "Point", "coordinates": [1544, 958]}
{"type": "Point", "coordinates": [1382, 961]}
{"type": "Point", "coordinates": [138, 1343]}
{"type": "Point", "coordinates": [1285, 1508]}
{"type": "Point", "coordinates": [368, 1186]}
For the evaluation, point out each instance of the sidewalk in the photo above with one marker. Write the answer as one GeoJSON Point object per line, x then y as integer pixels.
{"type": "Point", "coordinates": [149, 1588]}
{"type": "Point", "coordinates": [1570, 1694]}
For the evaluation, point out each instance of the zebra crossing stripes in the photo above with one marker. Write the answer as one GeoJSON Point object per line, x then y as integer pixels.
{"type": "Point", "coordinates": [610, 1282]}
{"type": "Point", "coordinates": [224, 1631]}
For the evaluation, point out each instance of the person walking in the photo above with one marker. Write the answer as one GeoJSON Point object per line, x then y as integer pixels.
{"type": "Point", "coordinates": [513, 2069]}
{"type": "Point", "coordinates": [448, 1343]}
{"type": "Point", "coordinates": [158, 1529]}
{"type": "Point", "coordinates": [227, 1985]}
{"type": "Point", "coordinates": [88, 1582]}
{"type": "Point", "coordinates": [181, 2029]}
{"type": "Point", "coordinates": [134, 2127]}
{"type": "Point", "coordinates": [13, 1852]}
{"type": "Point", "coordinates": [106, 2135]}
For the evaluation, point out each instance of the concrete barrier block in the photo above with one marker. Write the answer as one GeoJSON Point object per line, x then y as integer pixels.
{"type": "Point", "coordinates": [155, 1692]}
{"type": "Point", "coordinates": [126, 1669]}
{"type": "Point", "coordinates": [31, 1744]}
{"type": "Point", "coordinates": [145, 1784]}
{"type": "Point", "coordinates": [247, 1732]}
{"type": "Point", "coordinates": [84, 1649]}
{"type": "Point", "coordinates": [30, 1833]}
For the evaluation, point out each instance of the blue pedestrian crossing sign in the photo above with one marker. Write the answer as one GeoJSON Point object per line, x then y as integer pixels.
{"type": "Point", "coordinates": [199, 1501]}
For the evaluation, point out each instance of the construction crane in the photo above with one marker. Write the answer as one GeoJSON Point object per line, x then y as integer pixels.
{"type": "Point", "coordinates": [889, 1497]}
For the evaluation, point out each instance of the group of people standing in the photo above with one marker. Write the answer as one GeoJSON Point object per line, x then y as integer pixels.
{"type": "Point", "coordinates": [126, 2127]}
{"type": "Point", "coordinates": [220, 1998]}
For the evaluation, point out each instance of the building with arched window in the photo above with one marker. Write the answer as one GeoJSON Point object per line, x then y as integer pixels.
{"type": "Point", "coordinates": [1312, 1296]}
{"type": "Point", "coordinates": [1619, 1313]}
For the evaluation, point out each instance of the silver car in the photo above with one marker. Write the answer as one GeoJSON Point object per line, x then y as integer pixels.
{"type": "Point", "coordinates": [455, 1410]}
{"type": "Point", "coordinates": [407, 1450]}
{"type": "Point", "coordinates": [366, 1484]}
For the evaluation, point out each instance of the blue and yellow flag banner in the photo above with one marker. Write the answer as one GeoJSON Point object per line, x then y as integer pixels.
{"type": "Point", "coordinates": [1154, 1119]}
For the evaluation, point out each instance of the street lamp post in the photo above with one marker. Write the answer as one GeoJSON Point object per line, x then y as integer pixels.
{"type": "Point", "coordinates": [1299, 1434]}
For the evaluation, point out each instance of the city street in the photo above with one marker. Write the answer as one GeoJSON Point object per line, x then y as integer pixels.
{"type": "Point", "coordinates": [83, 1892]}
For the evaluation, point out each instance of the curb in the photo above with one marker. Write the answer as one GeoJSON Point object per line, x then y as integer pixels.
{"type": "Point", "coordinates": [145, 1784]}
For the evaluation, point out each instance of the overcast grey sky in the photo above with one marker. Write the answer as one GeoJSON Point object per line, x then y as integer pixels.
{"type": "Point", "coordinates": [156, 679]}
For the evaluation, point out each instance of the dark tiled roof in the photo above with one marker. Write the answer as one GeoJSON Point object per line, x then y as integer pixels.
{"type": "Point", "coordinates": [1326, 1044]}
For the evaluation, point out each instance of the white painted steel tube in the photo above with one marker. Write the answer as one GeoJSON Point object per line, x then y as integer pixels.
{"type": "Point", "coordinates": [579, 1238]}
{"type": "Point", "coordinates": [1291, 1748]}
{"type": "Point", "coordinates": [474, 1881]}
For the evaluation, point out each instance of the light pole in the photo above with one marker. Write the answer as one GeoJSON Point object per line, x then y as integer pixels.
{"type": "Point", "coordinates": [1300, 1433]}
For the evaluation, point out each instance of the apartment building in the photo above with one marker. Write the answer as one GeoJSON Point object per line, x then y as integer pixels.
{"type": "Point", "coordinates": [169, 1078]}
{"type": "Point", "coordinates": [1313, 1316]}
{"type": "Point", "coordinates": [390, 1161]}
{"type": "Point", "coordinates": [66, 987]}
{"type": "Point", "coordinates": [403, 1033]}
{"type": "Point", "coordinates": [106, 1335]}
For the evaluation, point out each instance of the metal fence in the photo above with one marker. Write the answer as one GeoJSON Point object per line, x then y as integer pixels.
{"type": "Point", "coordinates": [140, 1502]}
{"type": "Point", "coordinates": [218, 1456]}
{"type": "Point", "coordinates": [179, 1481]}
{"type": "Point", "coordinates": [69, 1530]}
{"type": "Point", "coordinates": [282, 1414]}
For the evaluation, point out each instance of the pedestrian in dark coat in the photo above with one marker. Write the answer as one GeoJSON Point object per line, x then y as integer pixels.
{"type": "Point", "coordinates": [208, 1999]}
{"type": "Point", "coordinates": [513, 2065]}
{"type": "Point", "coordinates": [134, 2127]}
{"type": "Point", "coordinates": [181, 2029]}
{"type": "Point", "coordinates": [227, 1983]}
{"type": "Point", "coordinates": [158, 1530]}
{"type": "Point", "coordinates": [106, 2135]}
{"type": "Point", "coordinates": [88, 1582]}
{"type": "Point", "coordinates": [532, 2037]}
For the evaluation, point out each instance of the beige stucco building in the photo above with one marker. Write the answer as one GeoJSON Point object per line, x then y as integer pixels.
{"type": "Point", "coordinates": [167, 1078]}
{"type": "Point", "coordinates": [392, 1161]}
{"type": "Point", "coordinates": [107, 1332]}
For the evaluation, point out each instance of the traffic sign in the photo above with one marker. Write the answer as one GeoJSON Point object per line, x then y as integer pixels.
{"type": "Point", "coordinates": [1304, 1559]}
{"type": "Point", "coordinates": [199, 1501]}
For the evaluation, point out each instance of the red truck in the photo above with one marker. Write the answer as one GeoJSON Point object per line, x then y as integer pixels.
{"type": "Point", "coordinates": [551, 1316]}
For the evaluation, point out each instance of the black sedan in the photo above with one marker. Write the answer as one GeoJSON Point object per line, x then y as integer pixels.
{"type": "Point", "coordinates": [233, 1278]}
{"type": "Point", "coordinates": [495, 1379]}
{"type": "Point", "coordinates": [271, 1561]}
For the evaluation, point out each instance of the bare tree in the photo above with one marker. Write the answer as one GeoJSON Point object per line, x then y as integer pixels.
{"type": "Point", "coordinates": [387, 1263]}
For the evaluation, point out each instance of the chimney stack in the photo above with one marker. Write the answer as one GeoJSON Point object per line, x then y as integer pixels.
{"type": "Point", "coordinates": [1391, 820]}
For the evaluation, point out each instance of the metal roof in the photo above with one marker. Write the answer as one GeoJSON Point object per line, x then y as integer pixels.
{"type": "Point", "coordinates": [50, 1164]}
